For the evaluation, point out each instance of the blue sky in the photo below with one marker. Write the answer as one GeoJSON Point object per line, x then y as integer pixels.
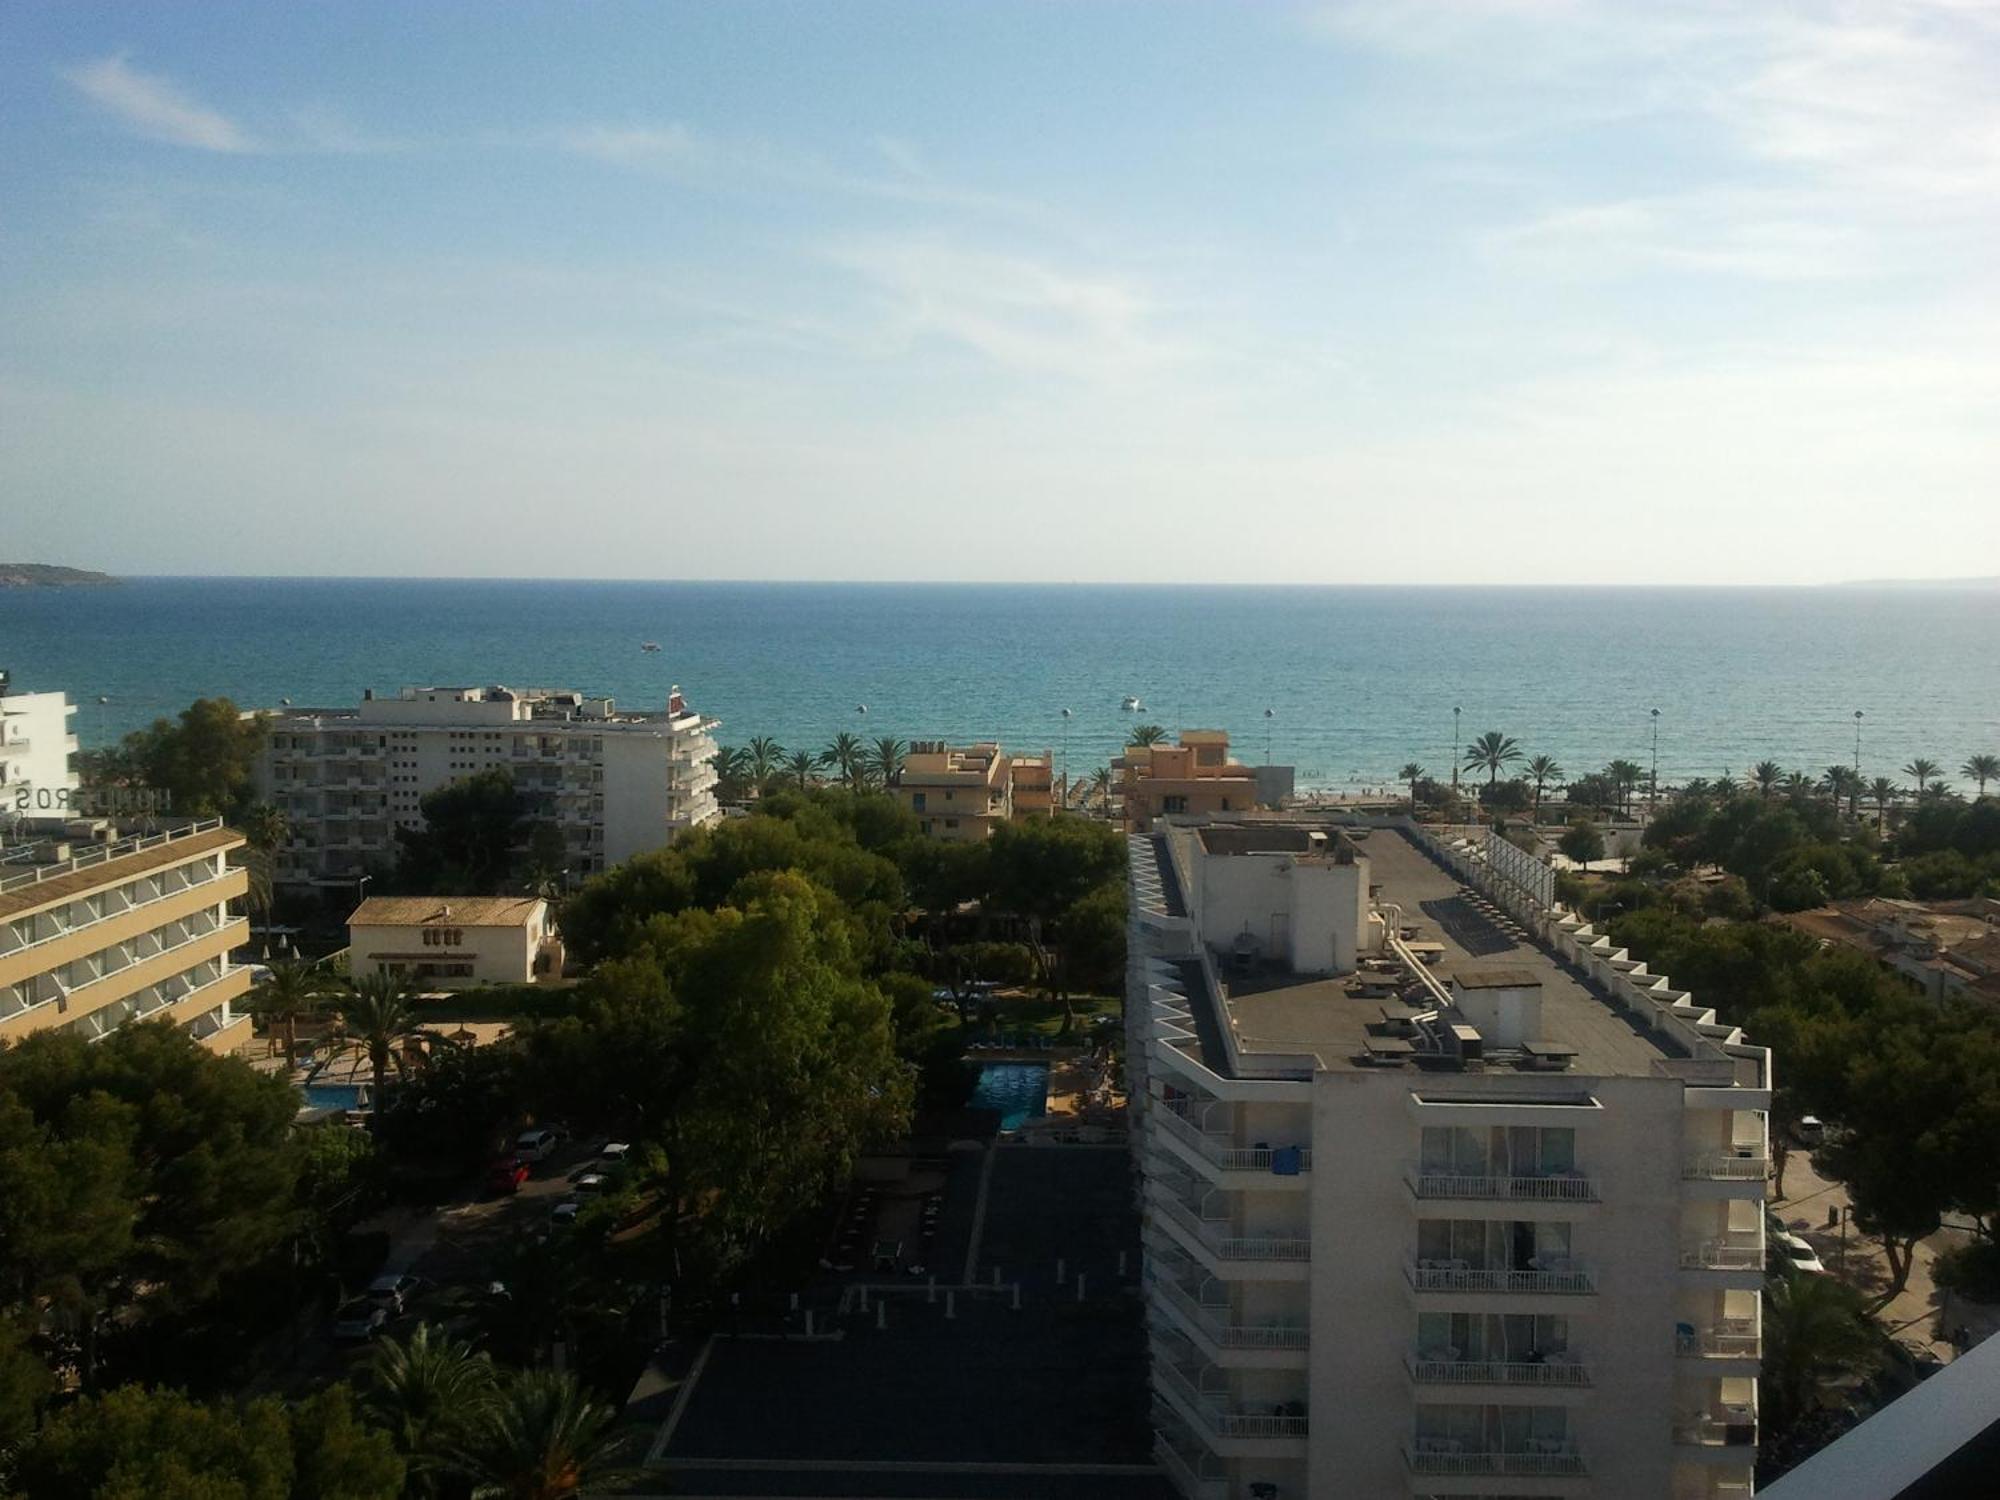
{"type": "Point", "coordinates": [1522, 291]}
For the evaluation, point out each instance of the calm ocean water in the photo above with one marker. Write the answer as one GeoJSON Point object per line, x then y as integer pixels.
{"type": "Point", "coordinates": [1357, 680]}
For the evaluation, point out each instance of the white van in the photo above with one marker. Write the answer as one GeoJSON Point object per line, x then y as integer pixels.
{"type": "Point", "coordinates": [535, 1145]}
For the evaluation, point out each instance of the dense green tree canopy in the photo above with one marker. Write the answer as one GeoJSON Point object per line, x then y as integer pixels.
{"type": "Point", "coordinates": [139, 1444]}
{"type": "Point", "coordinates": [467, 844]}
{"type": "Point", "coordinates": [203, 759]}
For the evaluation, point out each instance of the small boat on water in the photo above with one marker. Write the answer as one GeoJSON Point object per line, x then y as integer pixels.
{"type": "Point", "coordinates": [1131, 705]}
{"type": "Point", "coordinates": [649, 646]}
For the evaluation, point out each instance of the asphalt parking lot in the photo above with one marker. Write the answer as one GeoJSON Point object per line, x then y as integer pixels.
{"type": "Point", "coordinates": [1044, 1399]}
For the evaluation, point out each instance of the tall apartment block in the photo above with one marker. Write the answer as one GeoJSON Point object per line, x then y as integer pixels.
{"type": "Point", "coordinates": [615, 783]}
{"type": "Point", "coordinates": [1444, 1195]}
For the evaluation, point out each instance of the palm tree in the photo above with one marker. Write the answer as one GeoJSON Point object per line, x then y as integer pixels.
{"type": "Point", "coordinates": [886, 759]}
{"type": "Point", "coordinates": [379, 1020]}
{"type": "Point", "coordinates": [430, 1393]}
{"type": "Point", "coordinates": [845, 756]}
{"type": "Point", "coordinates": [1883, 791]}
{"type": "Point", "coordinates": [1982, 769]}
{"type": "Point", "coordinates": [1843, 784]}
{"type": "Point", "coordinates": [1816, 1332]}
{"type": "Point", "coordinates": [541, 1439]}
{"type": "Point", "coordinates": [265, 829]}
{"type": "Point", "coordinates": [763, 757]}
{"type": "Point", "coordinates": [730, 762]}
{"type": "Point", "coordinates": [1492, 753]}
{"type": "Point", "coordinates": [1765, 776]}
{"type": "Point", "coordinates": [1412, 773]}
{"type": "Point", "coordinates": [1625, 775]}
{"type": "Point", "coordinates": [1922, 772]}
{"type": "Point", "coordinates": [1100, 788]}
{"type": "Point", "coordinates": [294, 990]}
{"type": "Point", "coordinates": [1147, 734]}
{"type": "Point", "coordinates": [1798, 785]}
{"type": "Point", "coordinates": [1542, 770]}
{"type": "Point", "coordinates": [800, 767]}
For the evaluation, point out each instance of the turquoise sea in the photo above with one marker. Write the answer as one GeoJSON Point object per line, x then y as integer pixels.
{"type": "Point", "coordinates": [1356, 681]}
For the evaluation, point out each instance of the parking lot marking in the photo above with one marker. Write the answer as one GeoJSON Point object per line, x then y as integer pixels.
{"type": "Point", "coordinates": [979, 1217]}
{"type": "Point", "coordinates": [681, 1396]}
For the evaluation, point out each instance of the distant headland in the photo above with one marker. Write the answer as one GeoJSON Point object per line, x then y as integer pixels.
{"type": "Point", "coordinates": [50, 576]}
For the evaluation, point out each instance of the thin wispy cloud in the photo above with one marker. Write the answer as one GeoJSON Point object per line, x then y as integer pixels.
{"type": "Point", "coordinates": [1025, 314]}
{"type": "Point", "coordinates": [155, 107]}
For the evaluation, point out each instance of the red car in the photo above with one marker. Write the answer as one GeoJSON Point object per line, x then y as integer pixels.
{"type": "Point", "coordinates": [507, 1176]}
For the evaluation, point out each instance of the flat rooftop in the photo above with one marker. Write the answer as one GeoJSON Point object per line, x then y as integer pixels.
{"type": "Point", "coordinates": [1283, 1013]}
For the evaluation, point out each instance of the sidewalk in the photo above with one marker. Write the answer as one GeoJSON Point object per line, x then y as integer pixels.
{"type": "Point", "coordinates": [1922, 1312]}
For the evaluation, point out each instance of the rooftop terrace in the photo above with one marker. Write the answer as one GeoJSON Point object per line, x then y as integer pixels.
{"type": "Point", "coordinates": [1288, 1014]}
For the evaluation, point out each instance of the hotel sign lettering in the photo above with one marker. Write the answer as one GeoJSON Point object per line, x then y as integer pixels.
{"type": "Point", "coordinates": [88, 801]}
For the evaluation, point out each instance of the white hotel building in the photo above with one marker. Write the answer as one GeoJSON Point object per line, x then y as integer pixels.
{"type": "Point", "coordinates": [614, 783]}
{"type": "Point", "coordinates": [1444, 1195]}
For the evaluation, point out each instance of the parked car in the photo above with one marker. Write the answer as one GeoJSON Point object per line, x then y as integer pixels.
{"type": "Point", "coordinates": [395, 1291]}
{"type": "Point", "coordinates": [1811, 1130]}
{"type": "Point", "coordinates": [615, 1152]}
{"type": "Point", "coordinates": [565, 1212]}
{"type": "Point", "coordinates": [590, 1182]}
{"type": "Point", "coordinates": [358, 1321]}
{"type": "Point", "coordinates": [536, 1145]}
{"type": "Point", "coordinates": [507, 1176]}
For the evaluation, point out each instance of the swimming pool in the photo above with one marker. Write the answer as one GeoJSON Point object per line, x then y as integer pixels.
{"type": "Point", "coordinates": [335, 1095]}
{"type": "Point", "coordinates": [1020, 1091]}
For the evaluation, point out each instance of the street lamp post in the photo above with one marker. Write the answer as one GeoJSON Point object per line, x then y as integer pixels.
{"type": "Point", "coordinates": [1269, 715]}
{"type": "Point", "coordinates": [1454, 749]}
{"type": "Point", "coordinates": [1654, 799]}
{"type": "Point", "coordinates": [1857, 742]}
{"type": "Point", "coordinates": [1065, 764]}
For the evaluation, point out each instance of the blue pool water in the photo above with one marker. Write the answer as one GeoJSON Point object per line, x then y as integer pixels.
{"type": "Point", "coordinates": [1020, 1091]}
{"type": "Point", "coordinates": [333, 1096]}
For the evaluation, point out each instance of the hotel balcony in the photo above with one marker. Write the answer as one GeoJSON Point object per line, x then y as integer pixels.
{"type": "Point", "coordinates": [1561, 1370]}
{"type": "Point", "coordinates": [1733, 1339]}
{"type": "Point", "coordinates": [1214, 1328]}
{"type": "Point", "coordinates": [1555, 1460]}
{"type": "Point", "coordinates": [1190, 1467]}
{"type": "Point", "coordinates": [1560, 1187]}
{"type": "Point", "coordinates": [1214, 1239]}
{"type": "Point", "coordinates": [1227, 1426]}
{"type": "Point", "coordinates": [1727, 1438]}
{"type": "Point", "coordinates": [1456, 1276]}
{"type": "Point", "coordinates": [1221, 1160]}
{"type": "Point", "coordinates": [1733, 1259]}
{"type": "Point", "coordinates": [1725, 1174]}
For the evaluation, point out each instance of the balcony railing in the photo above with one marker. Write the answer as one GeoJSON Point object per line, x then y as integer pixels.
{"type": "Point", "coordinates": [1558, 1188]}
{"type": "Point", "coordinates": [1558, 1371]}
{"type": "Point", "coordinates": [1213, 1321]}
{"type": "Point", "coordinates": [113, 903]}
{"type": "Point", "coordinates": [1216, 1149]}
{"type": "Point", "coordinates": [1556, 1461]}
{"type": "Point", "coordinates": [1218, 1416]}
{"type": "Point", "coordinates": [1723, 1255]}
{"type": "Point", "coordinates": [1716, 1432]}
{"type": "Point", "coordinates": [1210, 1232]}
{"type": "Point", "coordinates": [1725, 1167]}
{"type": "Point", "coordinates": [1447, 1277]}
{"type": "Point", "coordinates": [1720, 1342]}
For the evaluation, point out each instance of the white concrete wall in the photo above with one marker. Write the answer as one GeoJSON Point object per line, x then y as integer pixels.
{"type": "Point", "coordinates": [498, 955]}
{"type": "Point", "coordinates": [1308, 913]}
{"type": "Point", "coordinates": [1364, 1225]}
{"type": "Point", "coordinates": [35, 745]}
